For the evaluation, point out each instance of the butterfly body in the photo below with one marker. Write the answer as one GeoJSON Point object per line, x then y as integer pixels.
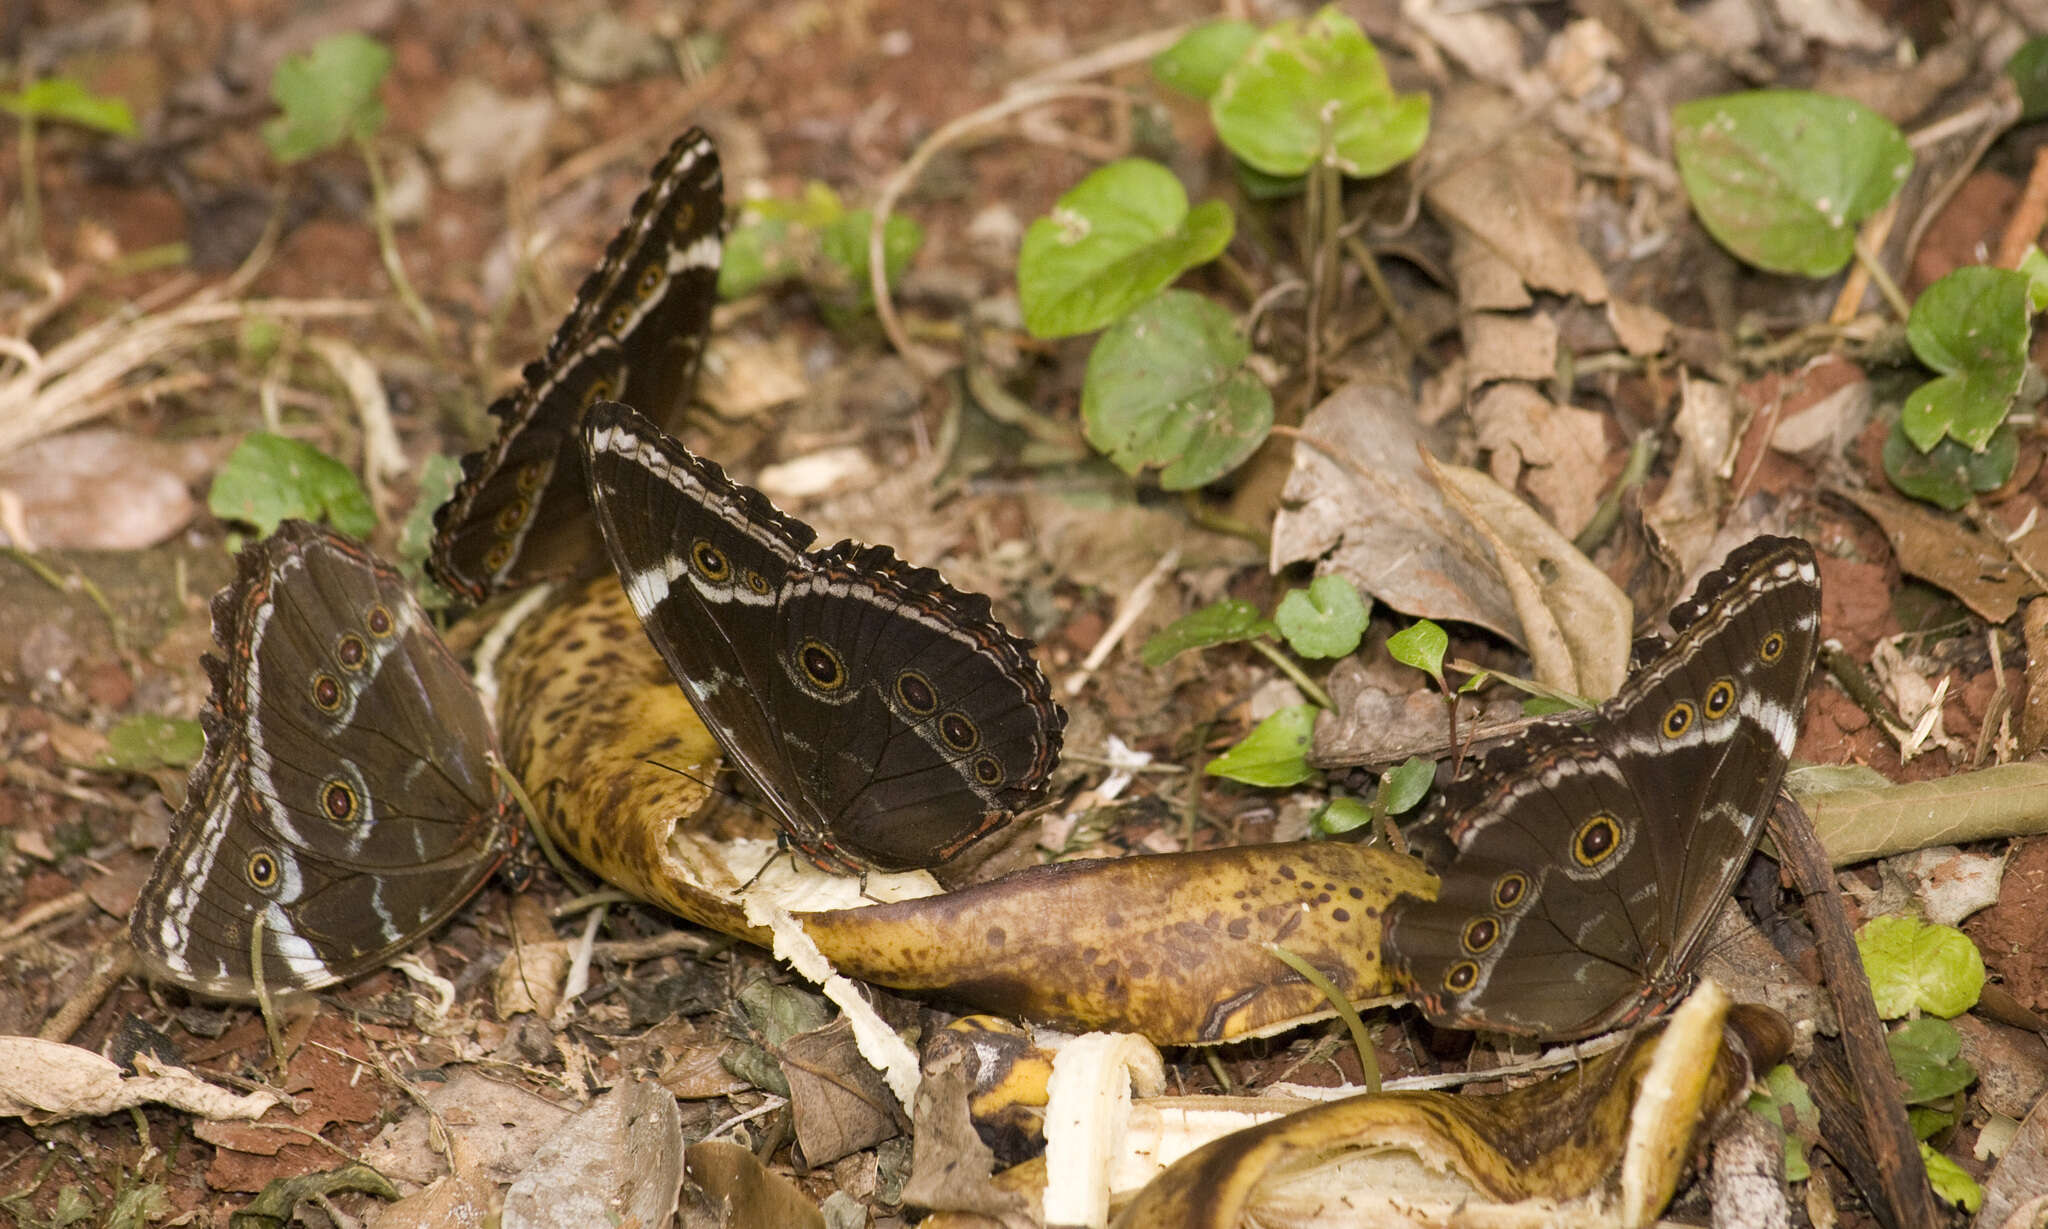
{"type": "Point", "coordinates": [344, 801]}
{"type": "Point", "coordinates": [886, 717]}
{"type": "Point", "coordinates": [1587, 860]}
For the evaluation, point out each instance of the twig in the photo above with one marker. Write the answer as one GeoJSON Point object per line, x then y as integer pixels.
{"type": "Point", "coordinates": [1128, 611]}
{"type": "Point", "coordinates": [898, 183]}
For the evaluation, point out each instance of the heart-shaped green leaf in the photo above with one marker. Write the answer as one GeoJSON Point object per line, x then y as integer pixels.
{"type": "Point", "coordinates": [1327, 619]}
{"type": "Point", "coordinates": [1315, 92]}
{"type": "Point", "coordinates": [1782, 178]}
{"type": "Point", "coordinates": [1167, 386]}
{"type": "Point", "coordinates": [1113, 241]}
{"type": "Point", "coordinates": [1972, 327]}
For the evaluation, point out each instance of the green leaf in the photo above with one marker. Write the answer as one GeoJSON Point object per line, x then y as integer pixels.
{"type": "Point", "coordinates": [1315, 93]}
{"type": "Point", "coordinates": [1167, 386]}
{"type": "Point", "coordinates": [2028, 69]}
{"type": "Point", "coordinates": [270, 478]}
{"type": "Point", "coordinates": [1223, 623]}
{"type": "Point", "coordinates": [1782, 178]}
{"type": "Point", "coordinates": [1407, 784]}
{"type": "Point", "coordinates": [438, 476]}
{"type": "Point", "coordinates": [1971, 326]}
{"type": "Point", "coordinates": [147, 741]}
{"type": "Point", "coordinates": [1786, 1105]}
{"type": "Point", "coordinates": [328, 95]}
{"type": "Point", "coordinates": [1927, 1054]}
{"type": "Point", "coordinates": [1327, 619]}
{"type": "Point", "coordinates": [1951, 1181]}
{"type": "Point", "coordinates": [1420, 645]}
{"type": "Point", "coordinates": [2035, 266]}
{"type": "Point", "coordinates": [1914, 966]}
{"type": "Point", "coordinates": [1340, 815]}
{"type": "Point", "coordinates": [1113, 241]}
{"type": "Point", "coordinates": [1274, 754]}
{"type": "Point", "coordinates": [1196, 63]}
{"type": "Point", "coordinates": [62, 98]}
{"type": "Point", "coordinates": [1949, 473]}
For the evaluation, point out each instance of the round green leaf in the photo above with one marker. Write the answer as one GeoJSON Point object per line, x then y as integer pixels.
{"type": "Point", "coordinates": [328, 95]}
{"type": "Point", "coordinates": [1948, 473]}
{"type": "Point", "coordinates": [1782, 178]}
{"type": "Point", "coordinates": [1421, 646]}
{"type": "Point", "coordinates": [1972, 327]}
{"type": "Point", "coordinates": [1196, 63]}
{"type": "Point", "coordinates": [1228, 620]}
{"type": "Point", "coordinates": [1327, 619]}
{"type": "Point", "coordinates": [1167, 386]}
{"type": "Point", "coordinates": [270, 478]}
{"type": "Point", "coordinates": [1927, 1054]}
{"type": "Point", "coordinates": [1274, 754]}
{"type": "Point", "coordinates": [1315, 93]}
{"type": "Point", "coordinates": [1914, 966]}
{"type": "Point", "coordinates": [1116, 239]}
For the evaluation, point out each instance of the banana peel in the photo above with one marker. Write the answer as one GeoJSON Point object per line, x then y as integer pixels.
{"type": "Point", "coordinates": [1177, 948]}
{"type": "Point", "coordinates": [1604, 1143]}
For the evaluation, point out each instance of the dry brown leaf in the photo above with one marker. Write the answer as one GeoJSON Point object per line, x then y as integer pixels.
{"type": "Point", "coordinates": [2034, 717]}
{"type": "Point", "coordinates": [47, 1081]}
{"type": "Point", "coordinates": [727, 1187]}
{"type": "Point", "coordinates": [617, 1161]}
{"type": "Point", "coordinates": [1511, 185]}
{"type": "Point", "coordinates": [497, 1126]}
{"type": "Point", "coordinates": [840, 1103]}
{"type": "Point", "coordinates": [1943, 553]}
{"type": "Point", "coordinates": [1361, 504]}
{"type": "Point", "coordinates": [950, 1166]}
{"type": "Point", "coordinates": [2013, 1194]}
{"type": "Point", "coordinates": [1576, 624]}
{"type": "Point", "coordinates": [1502, 347]}
{"type": "Point", "coordinates": [1555, 452]}
{"type": "Point", "coordinates": [1859, 824]}
{"type": "Point", "coordinates": [102, 489]}
{"type": "Point", "coordinates": [1688, 512]}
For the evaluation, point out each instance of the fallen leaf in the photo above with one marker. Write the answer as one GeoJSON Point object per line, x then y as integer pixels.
{"type": "Point", "coordinates": [47, 1081]}
{"type": "Point", "coordinates": [1942, 553]}
{"type": "Point", "coordinates": [619, 1160]}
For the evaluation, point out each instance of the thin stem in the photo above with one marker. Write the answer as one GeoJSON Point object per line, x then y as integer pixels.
{"type": "Point", "coordinates": [1368, 1063]}
{"type": "Point", "coordinates": [1293, 671]}
{"type": "Point", "coordinates": [387, 247]}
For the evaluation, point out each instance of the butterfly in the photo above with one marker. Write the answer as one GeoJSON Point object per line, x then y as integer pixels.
{"type": "Point", "coordinates": [886, 717]}
{"type": "Point", "coordinates": [1587, 859]}
{"type": "Point", "coordinates": [345, 804]}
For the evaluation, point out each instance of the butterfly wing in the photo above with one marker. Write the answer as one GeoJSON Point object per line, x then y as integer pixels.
{"type": "Point", "coordinates": [919, 722]}
{"type": "Point", "coordinates": [344, 797]}
{"type": "Point", "coordinates": [520, 513]}
{"type": "Point", "coordinates": [1591, 858]}
{"type": "Point", "coordinates": [884, 715]}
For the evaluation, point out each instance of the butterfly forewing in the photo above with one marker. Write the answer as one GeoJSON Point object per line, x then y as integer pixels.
{"type": "Point", "coordinates": [344, 797]}
{"type": "Point", "coordinates": [1590, 858]}
{"type": "Point", "coordinates": [639, 323]}
{"type": "Point", "coordinates": [888, 718]}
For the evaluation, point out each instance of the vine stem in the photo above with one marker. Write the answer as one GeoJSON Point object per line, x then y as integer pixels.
{"type": "Point", "coordinates": [387, 246]}
{"type": "Point", "coordinates": [1294, 673]}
